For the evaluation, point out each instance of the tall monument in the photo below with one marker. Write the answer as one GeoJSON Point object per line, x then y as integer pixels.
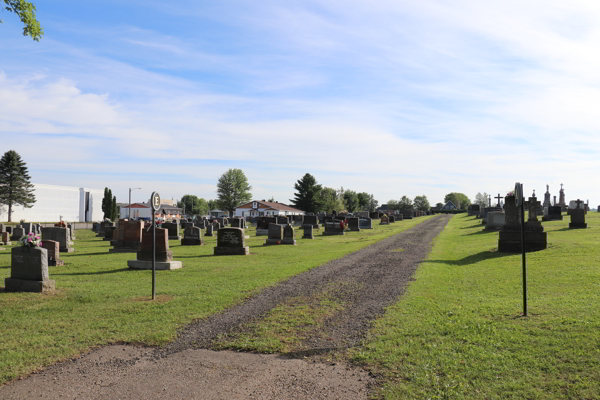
{"type": "Point", "coordinates": [547, 202]}
{"type": "Point", "coordinates": [561, 198]}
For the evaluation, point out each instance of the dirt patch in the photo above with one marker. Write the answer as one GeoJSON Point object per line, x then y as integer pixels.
{"type": "Point", "coordinates": [188, 369]}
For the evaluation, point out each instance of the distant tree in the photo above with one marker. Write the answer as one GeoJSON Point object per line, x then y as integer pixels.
{"type": "Point", "coordinates": [367, 202]}
{"type": "Point", "coordinates": [351, 200]}
{"type": "Point", "coordinates": [460, 200]}
{"type": "Point", "coordinates": [271, 200]}
{"type": "Point", "coordinates": [114, 210]}
{"type": "Point", "coordinates": [26, 12]}
{"type": "Point", "coordinates": [330, 200]}
{"type": "Point", "coordinates": [233, 190]}
{"type": "Point", "coordinates": [405, 203]}
{"type": "Point", "coordinates": [15, 187]}
{"type": "Point", "coordinates": [482, 199]}
{"type": "Point", "coordinates": [439, 205]}
{"type": "Point", "coordinates": [212, 205]}
{"type": "Point", "coordinates": [193, 205]}
{"type": "Point", "coordinates": [392, 205]}
{"type": "Point", "coordinates": [421, 203]}
{"type": "Point", "coordinates": [308, 194]}
{"type": "Point", "coordinates": [107, 203]}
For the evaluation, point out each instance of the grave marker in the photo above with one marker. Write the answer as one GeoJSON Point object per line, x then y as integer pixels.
{"type": "Point", "coordinates": [29, 271]}
{"type": "Point", "coordinates": [230, 242]}
{"type": "Point", "coordinates": [192, 236]}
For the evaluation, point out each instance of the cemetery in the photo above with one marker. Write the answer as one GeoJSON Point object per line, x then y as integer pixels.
{"type": "Point", "coordinates": [493, 275]}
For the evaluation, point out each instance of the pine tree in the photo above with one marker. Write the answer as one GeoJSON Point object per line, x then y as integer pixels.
{"type": "Point", "coordinates": [15, 188]}
{"type": "Point", "coordinates": [114, 210]}
{"type": "Point", "coordinates": [308, 196]}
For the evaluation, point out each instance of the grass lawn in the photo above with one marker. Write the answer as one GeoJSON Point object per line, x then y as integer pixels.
{"type": "Point", "coordinates": [457, 333]}
{"type": "Point", "coordinates": [99, 300]}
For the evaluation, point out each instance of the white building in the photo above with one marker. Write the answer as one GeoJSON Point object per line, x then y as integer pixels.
{"type": "Point", "coordinates": [143, 210]}
{"type": "Point", "coordinates": [55, 202]}
{"type": "Point", "coordinates": [261, 208]}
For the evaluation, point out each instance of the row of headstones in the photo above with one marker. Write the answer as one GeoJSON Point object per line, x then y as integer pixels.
{"type": "Point", "coordinates": [25, 228]}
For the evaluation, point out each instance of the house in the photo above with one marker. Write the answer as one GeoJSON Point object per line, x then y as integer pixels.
{"type": "Point", "coordinates": [218, 213]}
{"type": "Point", "coordinates": [143, 210]}
{"type": "Point", "coordinates": [448, 206]}
{"type": "Point", "coordinates": [258, 208]}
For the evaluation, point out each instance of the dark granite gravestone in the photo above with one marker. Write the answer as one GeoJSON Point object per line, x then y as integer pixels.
{"type": "Point", "coordinates": [6, 239]}
{"type": "Point", "coordinates": [2, 228]}
{"type": "Point", "coordinates": [200, 224]}
{"type": "Point", "coordinates": [406, 214]}
{"type": "Point", "coordinates": [192, 236]}
{"type": "Point", "coordinates": [61, 235]}
{"type": "Point", "coordinates": [71, 228]}
{"type": "Point", "coordinates": [552, 213]}
{"type": "Point", "coordinates": [365, 223]}
{"type": "Point", "coordinates": [374, 215]}
{"type": "Point", "coordinates": [223, 222]}
{"type": "Point", "coordinates": [334, 228]}
{"type": "Point", "coordinates": [29, 271]}
{"type": "Point", "coordinates": [53, 248]}
{"type": "Point", "coordinates": [27, 227]}
{"type": "Point", "coordinates": [186, 224]}
{"type": "Point", "coordinates": [473, 209]}
{"type": "Point", "coordinates": [230, 242]}
{"type": "Point", "coordinates": [308, 232]}
{"type": "Point", "coordinates": [109, 232]}
{"type": "Point", "coordinates": [289, 235]}
{"type": "Point", "coordinates": [578, 217]}
{"type": "Point", "coordinates": [8, 229]}
{"type": "Point", "coordinates": [282, 220]}
{"type": "Point", "coordinates": [209, 230]}
{"type": "Point", "coordinates": [484, 212]}
{"type": "Point", "coordinates": [238, 223]}
{"type": "Point", "coordinates": [275, 234]}
{"type": "Point", "coordinates": [391, 218]}
{"type": "Point", "coordinates": [164, 257]}
{"type": "Point", "coordinates": [103, 226]}
{"type": "Point", "coordinates": [174, 230]}
{"type": "Point", "coordinates": [298, 220]}
{"type": "Point", "coordinates": [17, 233]}
{"type": "Point", "coordinates": [353, 224]}
{"type": "Point", "coordinates": [262, 225]}
{"type": "Point", "coordinates": [384, 220]}
{"type": "Point", "coordinates": [509, 240]}
{"type": "Point", "coordinates": [128, 237]}
{"type": "Point", "coordinates": [312, 220]}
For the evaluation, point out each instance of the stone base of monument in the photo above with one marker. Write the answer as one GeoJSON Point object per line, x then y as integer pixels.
{"type": "Point", "coordinates": [232, 251]}
{"type": "Point", "coordinates": [262, 232]}
{"type": "Point", "coordinates": [159, 265]}
{"type": "Point", "coordinates": [67, 249]}
{"type": "Point", "coordinates": [178, 237]}
{"type": "Point", "coordinates": [24, 285]}
{"type": "Point", "coordinates": [510, 241]}
{"type": "Point", "coordinates": [55, 263]}
{"type": "Point", "coordinates": [552, 218]}
{"type": "Point", "coordinates": [6, 243]}
{"type": "Point", "coordinates": [191, 242]}
{"type": "Point", "coordinates": [577, 225]}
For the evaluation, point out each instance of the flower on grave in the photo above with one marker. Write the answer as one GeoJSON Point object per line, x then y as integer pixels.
{"type": "Point", "coordinates": [31, 240]}
{"type": "Point", "coordinates": [61, 224]}
{"type": "Point", "coordinates": [107, 220]}
{"type": "Point", "coordinates": [511, 193]}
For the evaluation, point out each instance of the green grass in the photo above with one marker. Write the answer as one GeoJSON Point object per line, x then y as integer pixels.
{"type": "Point", "coordinates": [458, 332]}
{"type": "Point", "coordinates": [100, 301]}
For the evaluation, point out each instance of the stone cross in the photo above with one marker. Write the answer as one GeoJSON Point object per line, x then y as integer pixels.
{"type": "Point", "coordinates": [532, 205]}
{"type": "Point", "coordinates": [498, 198]}
{"type": "Point", "coordinates": [578, 203]}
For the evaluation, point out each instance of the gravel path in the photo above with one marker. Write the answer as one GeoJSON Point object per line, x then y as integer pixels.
{"type": "Point", "coordinates": [366, 281]}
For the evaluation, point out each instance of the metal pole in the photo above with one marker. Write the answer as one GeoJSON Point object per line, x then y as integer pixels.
{"type": "Point", "coordinates": [153, 255]}
{"type": "Point", "coordinates": [129, 212]}
{"type": "Point", "coordinates": [523, 257]}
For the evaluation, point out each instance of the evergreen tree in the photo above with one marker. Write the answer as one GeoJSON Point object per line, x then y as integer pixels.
{"type": "Point", "coordinates": [15, 188]}
{"type": "Point", "coordinates": [351, 200]}
{"type": "Point", "coordinates": [107, 200]}
{"type": "Point", "coordinates": [308, 196]}
{"type": "Point", "coordinates": [114, 209]}
{"type": "Point", "coordinates": [233, 190]}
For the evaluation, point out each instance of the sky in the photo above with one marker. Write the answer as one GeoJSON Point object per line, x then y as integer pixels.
{"type": "Point", "coordinates": [392, 98]}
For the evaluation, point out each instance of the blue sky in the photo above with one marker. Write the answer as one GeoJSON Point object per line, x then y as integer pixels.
{"type": "Point", "coordinates": [391, 97]}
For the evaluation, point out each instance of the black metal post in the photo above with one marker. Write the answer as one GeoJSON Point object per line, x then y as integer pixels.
{"type": "Point", "coordinates": [523, 256]}
{"type": "Point", "coordinates": [153, 255]}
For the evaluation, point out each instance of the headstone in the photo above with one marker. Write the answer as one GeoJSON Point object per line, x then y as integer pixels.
{"type": "Point", "coordinates": [509, 239]}
{"type": "Point", "coordinates": [200, 224]}
{"type": "Point", "coordinates": [173, 229]}
{"type": "Point", "coordinates": [61, 235]}
{"type": "Point", "coordinates": [547, 196]}
{"type": "Point", "coordinates": [275, 234]}
{"type": "Point", "coordinates": [473, 209]}
{"type": "Point", "coordinates": [6, 239]}
{"type": "Point", "coordinates": [238, 223]}
{"type": "Point", "coordinates": [209, 230]}
{"type": "Point", "coordinates": [384, 220]}
{"type": "Point", "coordinates": [2, 228]}
{"type": "Point", "coordinates": [552, 213]}
{"type": "Point", "coordinates": [164, 257]}
{"type": "Point", "coordinates": [262, 225]}
{"type": "Point", "coordinates": [484, 213]}
{"type": "Point", "coordinates": [103, 226]}
{"type": "Point", "coordinates": [561, 199]}
{"type": "Point", "coordinates": [392, 218]}
{"type": "Point", "coordinates": [29, 271]}
{"type": "Point", "coordinates": [53, 248]}
{"type": "Point", "coordinates": [298, 220]}
{"type": "Point", "coordinates": [72, 231]}
{"type": "Point", "coordinates": [334, 228]}
{"type": "Point", "coordinates": [95, 226]}
{"type": "Point", "coordinates": [28, 227]}
{"type": "Point", "coordinates": [406, 214]}
{"type": "Point", "coordinates": [109, 232]}
{"type": "Point", "coordinates": [289, 235]}
{"type": "Point", "coordinates": [192, 236]}
{"type": "Point", "coordinates": [8, 229]}
{"type": "Point", "coordinates": [578, 217]}
{"type": "Point", "coordinates": [282, 220]}
{"type": "Point", "coordinates": [353, 224]}
{"type": "Point", "coordinates": [128, 237]}
{"type": "Point", "coordinates": [494, 221]}
{"type": "Point", "coordinates": [230, 242]}
{"type": "Point", "coordinates": [365, 223]}
{"type": "Point", "coordinates": [186, 224]}
{"type": "Point", "coordinates": [17, 233]}
{"type": "Point", "coordinates": [38, 229]}
{"type": "Point", "coordinates": [374, 215]}
{"type": "Point", "coordinates": [311, 220]}
{"type": "Point", "coordinates": [308, 232]}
